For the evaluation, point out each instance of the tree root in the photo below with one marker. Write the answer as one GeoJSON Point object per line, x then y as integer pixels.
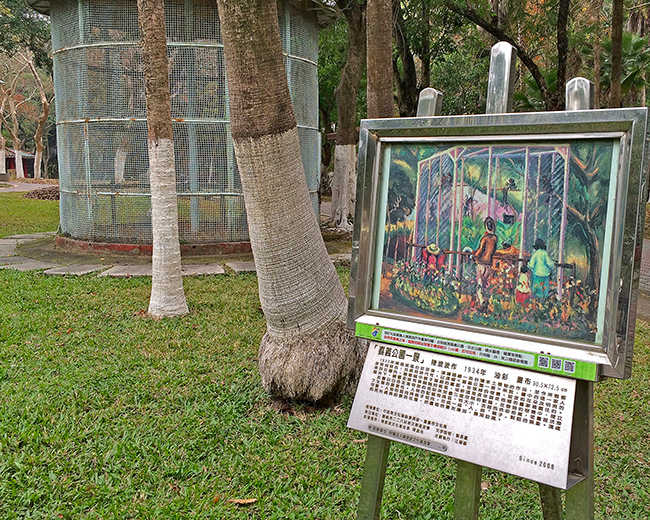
{"type": "Point", "coordinates": [312, 368]}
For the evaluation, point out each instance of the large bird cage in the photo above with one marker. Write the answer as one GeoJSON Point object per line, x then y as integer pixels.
{"type": "Point", "coordinates": [101, 117]}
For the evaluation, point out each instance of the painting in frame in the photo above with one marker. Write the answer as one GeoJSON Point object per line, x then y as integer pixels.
{"type": "Point", "coordinates": [511, 230]}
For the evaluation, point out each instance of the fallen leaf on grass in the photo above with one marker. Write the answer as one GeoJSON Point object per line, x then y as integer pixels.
{"type": "Point", "coordinates": [485, 485]}
{"type": "Point", "coordinates": [242, 501]}
{"type": "Point", "coordinates": [215, 499]}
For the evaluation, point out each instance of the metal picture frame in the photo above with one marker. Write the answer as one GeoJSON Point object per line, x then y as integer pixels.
{"type": "Point", "coordinates": [551, 158]}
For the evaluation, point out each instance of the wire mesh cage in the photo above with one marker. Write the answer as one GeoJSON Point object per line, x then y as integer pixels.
{"type": "Point", "coordinates": [101, 118]}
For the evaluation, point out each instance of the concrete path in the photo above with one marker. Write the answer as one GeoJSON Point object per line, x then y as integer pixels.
{"type": "Point", "coordinates": [22, 186]}
{"type": "Point", "coordinates": [9, 259]}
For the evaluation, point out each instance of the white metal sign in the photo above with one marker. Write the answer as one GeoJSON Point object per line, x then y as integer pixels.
{"type": "Point", "coordinates": [504, 418]}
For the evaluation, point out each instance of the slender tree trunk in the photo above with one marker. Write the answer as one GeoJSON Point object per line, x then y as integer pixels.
{"type": "Point", "coordinates": [615, 96]}
{"type": "Point", "coordinates": [3, 141]}
{"type": "Point", "coordinates": [343, 186]}
{"type": "Point", "coordinates": [42, 118]}
{"type": "Point", "coordinates": [379, 37]}
{"type": "Point", "coordinates": [424, 52]}
{"type": "Point", "coordinates": [306, 353]}
{"type": "Point", "coordinates": [406, 81]}
{"type": "Point", "coordinates": [598, 7]}
{"type": "Point", "coordinates": [167, 294]}
{"type": "Point", "coordinates": [562, 53]}
{"type": "Point", "coordinates": [344, 179]}
{"type": "Point", "coordinates": [3, 155]}
{"type": "Point", "coordinates": [18, 157]}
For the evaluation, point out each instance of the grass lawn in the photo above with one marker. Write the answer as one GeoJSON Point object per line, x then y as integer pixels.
{"type": "Point", "coordinates": [19, 215]}
{"type": "Point", "coordinates": [107, 414]}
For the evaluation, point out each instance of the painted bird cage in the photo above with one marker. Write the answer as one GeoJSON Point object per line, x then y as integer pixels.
{"type": "Point", "coordinates": [523, 188]}
{"type": "Point", "coordinates": [520, 187]}
{"type": "Point", "coordinates": [101, 117]}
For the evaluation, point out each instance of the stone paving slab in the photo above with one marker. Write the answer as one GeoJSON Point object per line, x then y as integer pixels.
{"type": "Point", "coordinates": [127, 271]}
{"type": "Point", "coordinates": [202, 269]}
{"type": "Point", "coordinates": [11, 260]}
{"type": "Point", "coordinates": [8, 247]}
{"type": "Point", "coordinates": [75, 270]}
{"type": "Point", "coordinates": [30, 265]}
{"type": "Point", "coordinates": [644, 278]}
{"type": "Point", "coordinates": [32, 236]}
{"type": "Point", "coordinates": [341, 258]}
{"type": "Point", "coordinates": [241, 267]}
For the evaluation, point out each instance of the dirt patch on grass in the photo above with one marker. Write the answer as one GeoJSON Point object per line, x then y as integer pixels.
{"type": "Point", "coordinates": [49, 193]}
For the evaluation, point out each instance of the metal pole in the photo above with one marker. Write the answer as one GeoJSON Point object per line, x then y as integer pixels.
{"type": "Point", "coordinates": [374, 471]}
{"type": "Point", "coordinates": [580, 498]}
{"type": "Point", "coordinates": [467, 495]}
{"type": "Point", "coordinates": [501, 79]}
{"type": "Point", "coordinates": [190, 78]}
{"type": "Point", "coordinates": [430, 103]}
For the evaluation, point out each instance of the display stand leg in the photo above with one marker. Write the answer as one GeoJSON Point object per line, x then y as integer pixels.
{"type": "Point", "coordinates": [580, 498]}
{"type": "Point", "coordinates": [467, 497]}
{"type": "Point", "coordinates": [551, 502]}
{"type": "Point", "coordinates": [374, 473]}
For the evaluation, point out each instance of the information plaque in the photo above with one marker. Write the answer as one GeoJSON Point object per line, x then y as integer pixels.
{"type": "Point", "coordinates": [500, 417]}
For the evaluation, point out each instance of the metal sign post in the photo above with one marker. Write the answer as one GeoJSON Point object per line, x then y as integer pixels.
{"type": "Point", "coordinates": [501, 80]}
{"type": "Point", "coordinates": [374, 471]}
{"type": "Point", "coordinates": [447, 404]}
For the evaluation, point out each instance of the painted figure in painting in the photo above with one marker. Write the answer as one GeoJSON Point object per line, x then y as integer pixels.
{"type": "Point", "coordinates": [522, 292]}
{"type": "Point", "coordinates": [541, 266]}
{"type": "Point", "coordinates": [484, 256]}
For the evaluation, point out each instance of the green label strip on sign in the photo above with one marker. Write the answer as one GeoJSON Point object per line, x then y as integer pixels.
{"type": "Point", "coordinates": [538, 362]}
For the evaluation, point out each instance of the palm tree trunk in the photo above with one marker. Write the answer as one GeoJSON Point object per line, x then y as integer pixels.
{"type": "Point", "coordinates": [307, 353]}
{"type": "Point", "coordinates": [167, 294]}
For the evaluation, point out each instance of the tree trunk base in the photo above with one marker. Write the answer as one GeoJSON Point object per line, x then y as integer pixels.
{"type": "Point", "coordinates": [312, 368]}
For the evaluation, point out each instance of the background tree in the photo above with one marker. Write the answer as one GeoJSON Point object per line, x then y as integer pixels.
{"type": "Point", "coordinates": [44, 113]}
{"type": "Point", "coordinates": [22, 28]}
{"type": "Point", "coordinates": [344, 178]}
{"type": "Point", "coordinates": [615, 96]}
{"type": "Point", "coordinates": [25, 98]}
{"type": "Point", "coordinates": [15, 97]}
{"type": "Point", "coordinates": [435, 47]}
{"type": "Point", "coordinates": [307, 353]}
{"type": "Point", "coordinates": [379, 46]}
{"type": "Point", "coordinates": [524, 27]}
{"type": "Point", "coordinates": [167, 294]}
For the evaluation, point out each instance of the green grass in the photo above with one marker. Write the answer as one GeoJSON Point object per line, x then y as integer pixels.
{"type": "Point", "coordinates": [107, 414]}
{"type": "Point", "coordinates": [19, 215]}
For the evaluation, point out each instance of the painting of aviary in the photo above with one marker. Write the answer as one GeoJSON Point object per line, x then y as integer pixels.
{"type": "Point", "coordinates": [505, 235]}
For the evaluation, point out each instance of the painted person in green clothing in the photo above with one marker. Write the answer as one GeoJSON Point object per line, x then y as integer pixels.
{"type": "Point", "coordinates": [541, 266]}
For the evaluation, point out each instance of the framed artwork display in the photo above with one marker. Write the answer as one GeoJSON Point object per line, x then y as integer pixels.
{"type": "Point", "coordinates": [514, 232]}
